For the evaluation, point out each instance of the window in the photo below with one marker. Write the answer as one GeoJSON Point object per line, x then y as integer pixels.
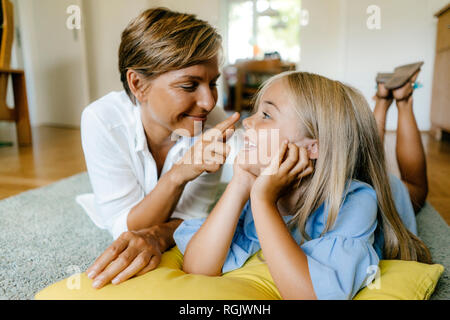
{"type": "Point", "coordinates": [258, 27]}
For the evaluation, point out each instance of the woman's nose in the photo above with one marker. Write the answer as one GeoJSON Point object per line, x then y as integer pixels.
{"type": "Point", "coordinates": [206, 99]}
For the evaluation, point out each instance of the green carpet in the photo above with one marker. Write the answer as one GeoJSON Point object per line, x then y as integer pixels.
{"type": "Point", "coordinates": [45, 236]}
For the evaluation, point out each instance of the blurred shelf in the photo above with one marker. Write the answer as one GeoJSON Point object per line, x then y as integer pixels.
{"type": "Point", "coordinates": [244, 79]}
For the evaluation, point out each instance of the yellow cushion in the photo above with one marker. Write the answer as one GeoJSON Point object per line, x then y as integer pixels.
{"type": "Point", "coordinates": [169, 282]}
{"type": "Point", "coordinates": [403, 280]}
{"type": "Point", "coordinates": [399, 280]}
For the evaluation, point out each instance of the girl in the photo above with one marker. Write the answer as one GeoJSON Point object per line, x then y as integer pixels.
{"type": "Point", "coordinates": [321, 209]}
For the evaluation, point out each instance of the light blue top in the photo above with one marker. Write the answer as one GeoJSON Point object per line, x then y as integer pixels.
{"type": "Point", "coordinates": [339, 261]}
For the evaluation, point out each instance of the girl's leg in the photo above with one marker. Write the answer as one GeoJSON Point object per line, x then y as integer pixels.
{"type": "Point", "coordinates": [409, 149]}
{"type": "Point", "coordinates": [383, 100]}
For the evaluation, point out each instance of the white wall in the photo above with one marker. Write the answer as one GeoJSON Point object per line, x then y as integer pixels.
{"type": "Point", "coordinates": [321, 39]}
{"type": "Point", "coordinates": [338, 44]}
{"type": "Point", "coordinates": [207, 10]}
{"type": "Point", "coordinates": [54, 62]}
{"type": "Point", "coordinates": [66, 69]}
{"type": "Point", "coordinates": [104, 22]}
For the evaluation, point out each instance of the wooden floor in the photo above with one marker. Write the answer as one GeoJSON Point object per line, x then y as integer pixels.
{"type": "Point", "coordinates": [57, 153]}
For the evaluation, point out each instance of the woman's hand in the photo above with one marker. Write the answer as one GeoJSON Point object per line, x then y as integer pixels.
{"type": "Point", "coordinates": [281, 174]}
{"type": "Point", "coordinates": [133, 253]}
{"type": "Point", "coordinates": [209, 152]}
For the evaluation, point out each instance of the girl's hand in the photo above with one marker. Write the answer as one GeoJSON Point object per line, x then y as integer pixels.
{"type": "Point", "coordinates": [209, 152]}
{"type": "Point", "coordinates": [282, 174]}
{"type": "Point", "coordinates": [242, 173]}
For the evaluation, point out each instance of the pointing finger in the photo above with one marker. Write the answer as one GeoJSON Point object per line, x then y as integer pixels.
{"type": "Point", "coordinates": [227, 123]}
{"type": "Point", "coordinates": [220, 129]}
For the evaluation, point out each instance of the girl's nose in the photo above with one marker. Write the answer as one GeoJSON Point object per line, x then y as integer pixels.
{"type": "Point", "coordinates": [247, 123]}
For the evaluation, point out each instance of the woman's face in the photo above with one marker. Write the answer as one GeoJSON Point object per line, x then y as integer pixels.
{"type": "Point", "coordinates": [274, 121]}
{"type": "Point", "coordinates": [177, 99]}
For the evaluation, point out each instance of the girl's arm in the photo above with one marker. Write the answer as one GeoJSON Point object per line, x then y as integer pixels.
{"type": "Point", "coordinates": [207, 250]}
{"type": "Point", "coordinates": [287, 262]}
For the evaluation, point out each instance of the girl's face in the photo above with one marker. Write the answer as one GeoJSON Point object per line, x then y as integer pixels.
{"type": "Point", "coordinates": [178, 98]}
{"type": "Point", "coordinates": [274, 121]}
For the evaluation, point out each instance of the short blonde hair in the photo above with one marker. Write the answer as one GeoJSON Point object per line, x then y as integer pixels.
{"type": "Point", "coordinates": [160, 40]}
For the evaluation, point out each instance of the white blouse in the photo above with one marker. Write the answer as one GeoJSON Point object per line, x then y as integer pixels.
{"type": "Point", "coordinates": [122, 170]}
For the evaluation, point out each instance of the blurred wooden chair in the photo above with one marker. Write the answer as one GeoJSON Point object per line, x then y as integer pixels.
{"type": "Point", "coordinates": [18, 114]}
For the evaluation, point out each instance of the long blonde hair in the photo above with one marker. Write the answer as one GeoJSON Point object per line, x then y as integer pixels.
{"type": "Point", "coordinates": [340, 119]}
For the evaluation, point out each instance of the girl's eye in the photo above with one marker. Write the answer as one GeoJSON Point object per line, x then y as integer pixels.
{"type": "Point", "coordinates": [266, 116]}
{"type": "Point", "coordinates": [213, 85]}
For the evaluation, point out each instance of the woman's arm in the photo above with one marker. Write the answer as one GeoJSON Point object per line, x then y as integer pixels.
{"type": "Point", "coordinates": [157, 206]}
{"type": "Point", "coordinates": [207, 250]}
{"type": "Point", "coordinates": [207, 155]}
{"type": "Point", "coordinates": [137, 252]}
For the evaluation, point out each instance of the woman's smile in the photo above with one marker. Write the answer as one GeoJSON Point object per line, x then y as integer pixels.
{"type": "Point", "coordinates": [196, 117]}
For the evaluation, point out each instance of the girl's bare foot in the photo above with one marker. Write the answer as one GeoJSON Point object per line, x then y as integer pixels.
{"type": "Point", "coordinates": [382, 92]}
{"type": "Point", "coordinates": [384, 96]}
{"type": "Point", "coordinates": [405, 93]}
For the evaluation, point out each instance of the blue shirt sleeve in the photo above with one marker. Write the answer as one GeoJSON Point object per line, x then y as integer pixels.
{"type": "Point", "coordinates": [186, 231]}
{"type": "Point", "coordinates": [341, 261]}
{"type": "Point", "coordinates": [241, 248]}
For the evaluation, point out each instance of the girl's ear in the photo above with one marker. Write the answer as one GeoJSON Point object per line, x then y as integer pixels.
{"type": "Point", "coordinates": [313, 149]}
{"type": "Point", "coordinates": [311, 145]}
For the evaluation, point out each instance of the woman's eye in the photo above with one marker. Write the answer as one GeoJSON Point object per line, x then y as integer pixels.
{"type": "Point", "coordinates": [266, 116]}
{"type": "Point", "coordinates": [189, 88]}
{"type": "Point", "coordinates": [214, 84]}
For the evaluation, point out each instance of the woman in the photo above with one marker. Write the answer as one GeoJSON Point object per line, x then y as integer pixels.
{"type": "Point", "coordinates": [145, 178]}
